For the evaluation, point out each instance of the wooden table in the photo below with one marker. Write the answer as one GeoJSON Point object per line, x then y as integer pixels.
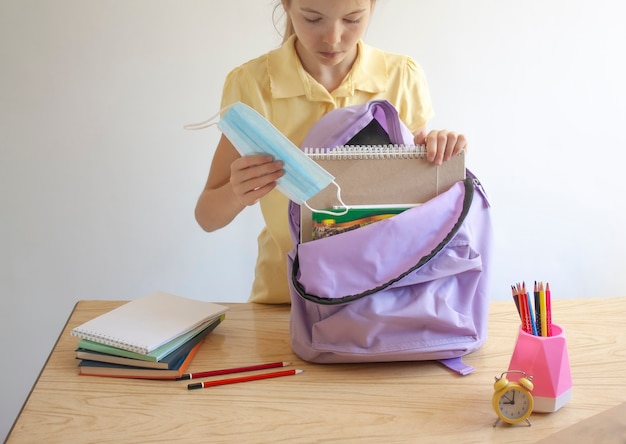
{"type": "Point", "coordinates": [379, 403]}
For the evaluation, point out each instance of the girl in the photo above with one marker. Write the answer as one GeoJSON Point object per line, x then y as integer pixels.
{"type": "Point", "coordinates": [322, 64]}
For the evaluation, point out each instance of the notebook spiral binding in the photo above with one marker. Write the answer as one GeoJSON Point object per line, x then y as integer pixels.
{"type": "Point", "coordinates": [109, 340]}
{"type": "Point", "coordinates": [349, 152]}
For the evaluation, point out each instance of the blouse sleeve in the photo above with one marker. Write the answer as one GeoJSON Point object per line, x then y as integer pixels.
{"type": "Point", "coordinates": [414, 104]}
{"type": "Point", "coordinates": [242, 85]}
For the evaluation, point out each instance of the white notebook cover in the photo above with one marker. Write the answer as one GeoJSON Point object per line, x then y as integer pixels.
{"type": "Point", "coordinates": [146, 323]}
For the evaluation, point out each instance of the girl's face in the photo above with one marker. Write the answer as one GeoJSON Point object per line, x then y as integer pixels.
{"type": "Point", "coordinates": [328, 30]}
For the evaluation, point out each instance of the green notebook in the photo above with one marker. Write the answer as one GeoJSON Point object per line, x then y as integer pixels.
{"type": "Point", "coordinates": [325, 224]}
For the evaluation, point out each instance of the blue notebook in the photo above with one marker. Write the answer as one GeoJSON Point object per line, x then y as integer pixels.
{"type": "Point", "coordinates": [96, 368]}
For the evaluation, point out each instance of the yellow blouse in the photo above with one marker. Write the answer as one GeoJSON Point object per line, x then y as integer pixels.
{"type": "Point", "coordinates": [278, 87]}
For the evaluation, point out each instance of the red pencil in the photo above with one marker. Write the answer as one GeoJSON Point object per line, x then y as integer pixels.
{"type": "Point", "coordinates": [227, 371]}
{"type": "Point", "coordinates": [204, 384]}
{"type": "Point", "coordinates": [523, 303]}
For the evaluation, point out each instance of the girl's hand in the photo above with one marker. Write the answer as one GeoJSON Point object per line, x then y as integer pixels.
{"type": "Point", "coordinates": [252, 177]}
{"type": "Point", "coordinates": [441, 145]}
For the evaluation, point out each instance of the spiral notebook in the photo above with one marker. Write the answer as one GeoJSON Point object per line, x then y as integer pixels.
{"type": "Point", "coordinates": [378, 175]}
{"type": "Point", "coordinates": [144, 324]}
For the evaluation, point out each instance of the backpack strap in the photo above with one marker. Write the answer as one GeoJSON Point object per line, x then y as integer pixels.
{"type": "Point", "coordinates": [339, 126]}
{"type": "Point", "coordinates": [457, 365]}
{"type": "Point", "coordinates": [392, 122]}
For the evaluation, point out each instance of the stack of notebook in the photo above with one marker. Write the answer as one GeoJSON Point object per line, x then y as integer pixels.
{"type": "Point", "coordinates": [153, 337]}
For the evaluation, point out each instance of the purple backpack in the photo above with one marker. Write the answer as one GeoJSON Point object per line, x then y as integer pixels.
{"type": "Point", "coordinates": [411, 287]}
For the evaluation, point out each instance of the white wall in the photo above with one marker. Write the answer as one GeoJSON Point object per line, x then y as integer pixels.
{"type": "Point", "coordinates": [98, 179]}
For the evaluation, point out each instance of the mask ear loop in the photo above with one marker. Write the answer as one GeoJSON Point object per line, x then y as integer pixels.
{"type": "Point", "coordinates": [332, 213]}
{"type": "Point", "coordinates": [207, 123]}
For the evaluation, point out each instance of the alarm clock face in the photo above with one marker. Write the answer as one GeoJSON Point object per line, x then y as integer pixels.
{"type": "Point", "coordinates": [514, 404]}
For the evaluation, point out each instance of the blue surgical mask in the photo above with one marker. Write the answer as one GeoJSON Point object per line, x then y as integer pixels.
{"type": "Point", "coordinates": [251, 133]}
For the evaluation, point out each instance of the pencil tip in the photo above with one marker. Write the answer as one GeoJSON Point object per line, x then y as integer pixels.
{"type": "Point", "coordinates": [286, 363]}
{"type": "Point", "coordinates": [298, 371]}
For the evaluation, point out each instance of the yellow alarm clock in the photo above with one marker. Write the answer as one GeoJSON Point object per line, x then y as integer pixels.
{"type": "Point", "coordinates": [513, 401]}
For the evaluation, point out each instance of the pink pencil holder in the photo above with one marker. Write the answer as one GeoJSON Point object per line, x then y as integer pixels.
{"type": "Point", "coordinates": [546, 359]}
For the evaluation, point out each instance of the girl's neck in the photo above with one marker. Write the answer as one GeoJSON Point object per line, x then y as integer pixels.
{"type": "Point", "coordinates": [330, 77]}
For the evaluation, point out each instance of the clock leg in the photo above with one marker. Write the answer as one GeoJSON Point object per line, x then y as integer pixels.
{"type": "Point", "coordinates": [527, 422]}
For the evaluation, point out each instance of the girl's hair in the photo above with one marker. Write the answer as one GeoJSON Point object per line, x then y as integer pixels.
{"type": "Point", "coordinates": [278, 8]}
{"type": "Point", "coordinates": [288, 32]}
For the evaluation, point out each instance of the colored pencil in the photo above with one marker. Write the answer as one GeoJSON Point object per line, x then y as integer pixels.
{"type": "Point", "coordinates": [520, 302]}
{"type": "Point", "coordinates": [520, 305]}
{"type": "Point", "coordinates": [227, 371]}
{"type": "Point", "coordinates": [544, 313]}
{"type": "Point", "coordinates": [537, 308]}
{"type": "Point", "coordinates": [531, 315]}
{"type": "Point", "coordinates": [523, 303]}
{"type": "Point", "coordinates": [516, 300]}
{"type": "Point", "coordinates": [204, 384]}
{"type": "Point", "coordinates": [548, 310]}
